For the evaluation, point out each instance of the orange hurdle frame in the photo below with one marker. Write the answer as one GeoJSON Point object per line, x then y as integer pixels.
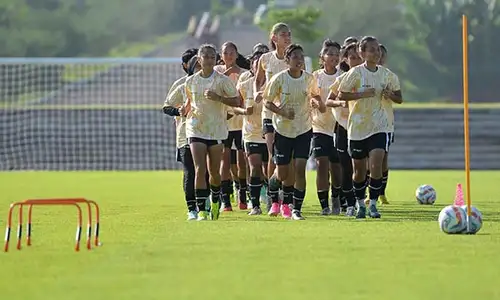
{"type": "Point", "coordinates": [63, 201]}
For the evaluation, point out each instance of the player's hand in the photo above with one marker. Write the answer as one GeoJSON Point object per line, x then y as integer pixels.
{"type": "Point", "coordinates": [343, 104]}
{"type": "Point", "coordinates": [289, 114]}
{"type": "Point", "coordinates": [387, 93]}
{"type": "Point", "coordinates": [259, 97]}
{"type": "Point", "coordinates": [368, 93]}
{"type": "Point", "coordinates": [249, 111]}
{"type": "Point", "coordinates": [314, 103]}
{"type": "Point", "coordinates": [211, 95]}
{"type": "Point", "coordinates": [183, 110]}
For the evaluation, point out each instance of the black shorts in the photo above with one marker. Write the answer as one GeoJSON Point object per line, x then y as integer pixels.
{"type": "Point", "coordinates": [322, 145]}
{"type": "Point", "coordinates": [209, 143]}
{"type": "Point", "coordinates": [257, 148]}
{"type": "Point", "coordinates": [267, 126]}
{"type": "Point", "coordinates": [235, 137]}
{"type": "Point", "coordinates": [341, 142]}
{"type": "Point", "coordinates": [361, 149]}
{"type": "Point", "coordinates": [285, 148]}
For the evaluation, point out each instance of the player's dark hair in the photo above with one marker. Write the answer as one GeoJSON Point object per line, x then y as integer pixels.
{"type": "Point", "coordinates": [260, 47]}
{"type": "Point", "coordinates": [349, 40]}
{"type": "Point", "coordinates": [365, 40]}
{"type": "Point", "coordinates": [192, 65]}
{"type": "Point", "coordinates": [327, 44]}
{"type": "Point", "coordinates": [383, 48]}
{"type": "Point", "coordinates": [231, 45]}
{"type": "Point", "coordinates": [291, 48]}
{"type": "Point", "coordinates": [345, 53]}
{"type": "Point", "coordinates": [205, 47]}
{"type": "Point", "coordinates": [243, 62]}
{"type": "Point", "coordinates": [252, 58]}
{"type": "Point", "coordinates": [186, 57]}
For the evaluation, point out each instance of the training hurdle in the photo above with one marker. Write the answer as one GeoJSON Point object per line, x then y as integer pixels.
{"type": "Point", "coordinates": [55, 201]}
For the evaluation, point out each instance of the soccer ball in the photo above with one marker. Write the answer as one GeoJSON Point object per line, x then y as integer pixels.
{"type": "Point", "coordinates": [476, 218]}
{"type": "Point", "coordinates": [425, 194]}
{"type": "Point", "coordinates": [452, 219]}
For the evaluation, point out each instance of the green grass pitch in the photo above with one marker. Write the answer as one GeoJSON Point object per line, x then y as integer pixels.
{"type": "Point", "coordinates": [150, 252]}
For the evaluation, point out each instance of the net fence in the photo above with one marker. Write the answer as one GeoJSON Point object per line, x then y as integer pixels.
{"type": "Point", "coordinates": [86, 114]}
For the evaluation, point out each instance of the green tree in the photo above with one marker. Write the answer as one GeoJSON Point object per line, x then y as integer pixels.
{"type": "Point", "coordinates": [302, 20]}
{"type": "Point", "coordinates": [435, 28]}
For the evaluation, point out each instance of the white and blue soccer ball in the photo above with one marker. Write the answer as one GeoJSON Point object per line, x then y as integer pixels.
{"type": "Point", "coordinates": [425, 194]}
{"type": "Point", "coordinates": [452, 219]}
{"type": "Point", "coordinates": [476, 219]}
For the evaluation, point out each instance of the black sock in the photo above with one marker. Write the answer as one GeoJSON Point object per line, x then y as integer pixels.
{"type": "Point", "coordinates": [201, 198]}
{"type": "Point", "coordinates": [273, 194]}
{"type": "Point", "coordinates": [350, 197]}
{"type": "Point", "coordinates": [374, 188]}
{"type": "Point", "coordinates": [335, 191]}
{"type": "Point", "coordinates": [265, 183]}
{"type": "Point", "coordinates": [359, 189]}
{"type": "Point", "coordinates": [225, 192]}
{"type": "Point", "coordinates": [230, 190]}
{"type": "Point", "coordinates": [323, 199]}
{"type": "Point", "coordinates": [255, 186]}
{"type": "Point", "coordinates": [287, 195]}
{"type": "Point", "coordinates": [298, 199]}
{"type": "Point", "coordinates": [385, 177]}
{"type": "Point", "coordinates": [243, 190]}
{"type": "Point", "coordinates": [191, 205]}
{"type": "Point", "coordinates": [237, 185]}
{"type": "Point", "coordinates": [215, 191]}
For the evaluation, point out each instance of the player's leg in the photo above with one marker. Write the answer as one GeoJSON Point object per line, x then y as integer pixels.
{"type": "Point", "coordinates": [385, 174]}
{"type": "Point", "coordinates": [335, 179]}
{"type": "Point", "coordinates": [242, 171]}
{"type": "Point", "coordinates": [341, 144]}
{"type": "Point", "coordinates": [359, 154]}
{"type": "Point", "coordinates": [215, 150]}
{"type": "Point", "coordinates": [272, 192]}
{"type": "Point", "coordinates": [378, 146]}
{"type": "Point", "coordinates": [254, 156]}
{"type": "Point", "coordinates": [185, 157]}
{"type": "Point", "coordinates": [199, 150]}
{"type": "Point", "coordinates": [225, 174]}
{"type": "Point", "coordinates": [320, 153]}
{"type": "Point", "coordinates": [283, 149]}
{"type": "Point", "coordinates": [301, 146]}
{"type": "Point", "coordinates": [263, 191]}
{"type": "Point", "coordinates": [235, 182]}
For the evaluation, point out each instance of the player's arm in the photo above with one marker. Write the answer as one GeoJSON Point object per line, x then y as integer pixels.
{"type": "Point", "coordinates": [271, 93]}
{"type": "Point", "coordinates": [315, 94]}
{"type": "Point", "coordinates": [228, 89]}
{"type": "Point", "coordinates": [331, 100]}
{"type": "Point", "coordinates": [347, 86]}
{"type": "Point", "coordinates": [244, 111]}
{"type": "Point", "coordinates": [393, 91]}
{"type": "Point", "coordinates": [174, 100]}
{"type": "Point", "coordinates": [260, 76]}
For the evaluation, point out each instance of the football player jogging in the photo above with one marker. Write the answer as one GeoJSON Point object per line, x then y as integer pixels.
{"type": "Point", "coordinates": [208, 95]}
{"type": "Point", "coordinates": [270, 64]}
{"type": "Point", "coordinates": [255, 144]}
{"type": "Point", "coordinates": [229, 54]}
{"type": "Point", "coordinates": [291, 95]}
{"type": "Point", "coordinates": [323, 125]}
{"type": "Point", "coordinates": [368, 125]}
{"type": "Point", "coordinates": [350, 59]}
{"type": "Point", "coordinates": [174, 100]}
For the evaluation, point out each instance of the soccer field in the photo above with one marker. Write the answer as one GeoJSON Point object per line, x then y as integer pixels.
{"type": "Point", "coordinates": [150, 251]}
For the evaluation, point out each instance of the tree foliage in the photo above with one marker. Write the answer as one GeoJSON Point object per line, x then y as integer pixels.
{"type": "Point", "coordinates": [87, 27]}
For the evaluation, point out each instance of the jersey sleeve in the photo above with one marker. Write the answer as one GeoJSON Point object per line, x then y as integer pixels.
{"type": "Point", "coordinates": [273, 89]}
{"type": "Point", "coordinates": [176, 97]}
{"type": "Point", "coordinates": [313, 89]}
{"type": "Point", "coordinates": [228, 87]}
{"type": "Point", "coordinates": [394, 82]}
{"type": "Point", "coordinates": [350, 81]}
{"type": "Point", "coordinates": [334, 88]}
